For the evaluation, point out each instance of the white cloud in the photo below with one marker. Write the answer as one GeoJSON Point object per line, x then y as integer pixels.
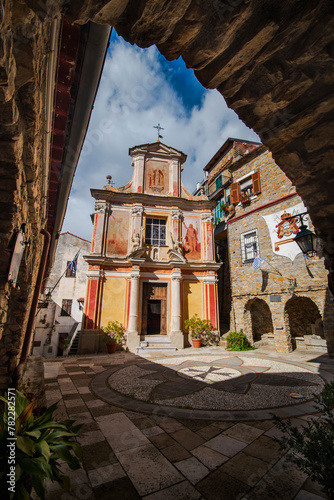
{"type": "Point", "coordinates": [132, 98]}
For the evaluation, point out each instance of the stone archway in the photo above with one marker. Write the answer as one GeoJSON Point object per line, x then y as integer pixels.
{"type": "Point", "coordinates": [258, 320]}
{"type": "Point", "coordinates": [302, 317]}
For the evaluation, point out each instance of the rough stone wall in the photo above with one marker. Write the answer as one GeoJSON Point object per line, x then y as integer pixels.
{"type": "Point", "coordinates": [247, 284]}
{"type": "Point", "coordinates": [23, 44]}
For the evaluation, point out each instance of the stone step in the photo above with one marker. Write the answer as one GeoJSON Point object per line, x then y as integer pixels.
{"type": "Point", "coordinates": [150, 349]}
{"type": "Point", "coordinates": [157, 339]}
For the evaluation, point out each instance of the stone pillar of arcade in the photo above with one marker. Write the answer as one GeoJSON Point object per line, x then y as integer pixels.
{"type": "Point", "coordinates": [133, 335]}
{"type": "Point", "coordinates": [176, 336]}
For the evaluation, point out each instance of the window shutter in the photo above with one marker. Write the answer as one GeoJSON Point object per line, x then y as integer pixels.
{"type": "Point", "coordinates": [235, 192]}
{"type": "Point", "coordinates": [256, 182]}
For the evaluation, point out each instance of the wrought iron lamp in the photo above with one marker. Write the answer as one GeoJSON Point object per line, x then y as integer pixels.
{"type": "Point", "coordinates": [305, 239]}
{"type": "Point", "coordinates": [292, 286]}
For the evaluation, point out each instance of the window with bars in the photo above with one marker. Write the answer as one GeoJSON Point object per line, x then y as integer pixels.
{"type": "Point", "coordinates": [249, 246]}
{"type": "Point", "coordinates": [66, 307]}
{"type": "Point", "coordinates": [155, 232]}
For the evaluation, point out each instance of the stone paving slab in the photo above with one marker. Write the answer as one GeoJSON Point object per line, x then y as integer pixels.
{"type": "Point", "coordinates": [133, 453]}
{"type": "Point", "coordinates": [148, 469]}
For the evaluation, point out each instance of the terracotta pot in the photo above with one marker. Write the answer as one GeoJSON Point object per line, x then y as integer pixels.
{"type": "Point", "coordinates": [112, 347]}
{"type": "Point", "coordinates": [197, 343]}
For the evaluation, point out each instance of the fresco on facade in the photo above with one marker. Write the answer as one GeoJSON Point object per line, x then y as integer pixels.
{"type": "Point", "coordinates": [119, 223]}
{"type": "Point", "coordinates": [191, 237]}
{"type": "Point", "coordinates": [157, 177]}
{"type": "Point", "coordinates": [283, 227]}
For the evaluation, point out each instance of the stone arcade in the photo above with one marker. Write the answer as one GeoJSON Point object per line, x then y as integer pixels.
{"type": "Point", "coordinates": [152, 262]}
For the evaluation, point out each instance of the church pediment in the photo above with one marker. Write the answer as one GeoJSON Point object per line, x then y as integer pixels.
{"type": "Point", "coordinates": [159, 149]}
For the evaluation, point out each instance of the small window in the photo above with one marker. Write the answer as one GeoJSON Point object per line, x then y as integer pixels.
{"type": "Point", "coordinates": [219, 182]}
{"type": "Point", "coordinates": [70, 269]}
{"type": "Point", "coordinates": [248, 186]}
{"type": "Point", "coordinates": [66, 307]}
{"type": "Point", "coordinates": [155, 232]}
{"type": "Point", "coordinates": [249, 246]}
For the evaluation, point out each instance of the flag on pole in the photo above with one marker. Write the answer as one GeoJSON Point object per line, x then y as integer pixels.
{"type": "Point", "coordinates": [257, 263]}
{"type": "Point", "coordinates": [73, 264]}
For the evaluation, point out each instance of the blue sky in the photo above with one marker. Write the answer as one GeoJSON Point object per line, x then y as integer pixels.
{"type": "Point", "coordinates": [139, 88]}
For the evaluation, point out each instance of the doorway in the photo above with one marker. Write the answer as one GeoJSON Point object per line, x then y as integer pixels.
{"type": "Point", "coordinates": [154, 309]}
{"type": "Point", "coordinates": [61, 338]}
{"type": "Point", "coordinates": [153, 317]}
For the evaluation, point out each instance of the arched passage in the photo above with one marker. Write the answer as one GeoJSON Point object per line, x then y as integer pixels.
{"type": "Point", "coordinates": [258, 319]}
{"type": "Point", "coordinates": [302, 317]}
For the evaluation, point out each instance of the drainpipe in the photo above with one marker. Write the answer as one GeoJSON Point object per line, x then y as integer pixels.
{"type": "Point", "coordinates": [28, 336]}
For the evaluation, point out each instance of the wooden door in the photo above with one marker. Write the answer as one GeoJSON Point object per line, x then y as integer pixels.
{"type": "Point", "coordinates": [154, 292]}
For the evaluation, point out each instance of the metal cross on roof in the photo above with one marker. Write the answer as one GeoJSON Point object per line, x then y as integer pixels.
{"type": "Point", "coordinates": [159, 128]}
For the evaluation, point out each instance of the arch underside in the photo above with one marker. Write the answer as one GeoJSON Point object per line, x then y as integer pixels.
{"type": "Point", "coordinates": [272, 62]}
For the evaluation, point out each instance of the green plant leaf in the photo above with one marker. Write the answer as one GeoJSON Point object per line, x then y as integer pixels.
{"type": "Point", "coordinates": [35, 433]}
{"type": "Point", "coordinates": [21, 492]}
{"type": "Point", "coordinates": [37, 467]}
{"type": "Point", "coordinates": [65, 482]}
{"type": "Point", "coordinates": [38, 485]}
{"type": "Point", "coordinates": [76, 447]}
{"type": "Point", "coordinates": [64, 453]}
{"type": "Point", "coordinates": [43, 448]}
{"type": "Point", "coordinates": [26, 444]}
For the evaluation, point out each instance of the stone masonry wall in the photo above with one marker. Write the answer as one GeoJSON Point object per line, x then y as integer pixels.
{"type": "Point", "coordinates": [23, 43]}
{"type": "Point", "coordinates": [246, 284]}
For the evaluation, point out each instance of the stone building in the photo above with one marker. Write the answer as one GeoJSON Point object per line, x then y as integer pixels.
{"type": "Point", "coordinates": [60, 314]}
{"type": "Point", "coordinates": [286, 300]}
{"type": "Point", "coordinates": [152, 262]}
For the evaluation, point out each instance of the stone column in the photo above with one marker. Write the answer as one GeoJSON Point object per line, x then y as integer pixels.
{"type": "Point", "coordinates": [137, 216]}
{"type": "Point", "coordinates": [177, 337]}
{"type": "Point", "coordinates": [133, 337]}
{"type": "Point", "coordinates": [207, 238]}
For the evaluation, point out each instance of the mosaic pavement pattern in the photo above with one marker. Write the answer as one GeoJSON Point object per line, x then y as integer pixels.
{"type": "Point", "coordinates": [135, 452]}
{"type": "Point", "coordinates": [226, 385]}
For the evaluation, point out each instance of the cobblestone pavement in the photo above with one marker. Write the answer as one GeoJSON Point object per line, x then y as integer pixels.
{"type": "Point", "coordinates": [153, 428]}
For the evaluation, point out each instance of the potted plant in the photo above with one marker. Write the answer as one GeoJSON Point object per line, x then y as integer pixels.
{"type": "Point", "coordinates": [41, 447]}
{"type": "Point", "coordinates": [245, 198]}
{"type": "Point", "coordinates": [113, 334]}
{"type": "Point", "coordinates": [197, 328]}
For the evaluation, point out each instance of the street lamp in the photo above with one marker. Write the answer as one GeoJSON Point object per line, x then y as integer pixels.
{"type": "Point", "coordinates": [305, 239]}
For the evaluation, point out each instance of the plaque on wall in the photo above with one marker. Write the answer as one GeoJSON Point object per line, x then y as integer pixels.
{"type": "Point", "coordinates": [275, 298]}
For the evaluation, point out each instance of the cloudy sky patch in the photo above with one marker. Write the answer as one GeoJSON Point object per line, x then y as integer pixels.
{"type": "Point", "coordinates": [138, 90]}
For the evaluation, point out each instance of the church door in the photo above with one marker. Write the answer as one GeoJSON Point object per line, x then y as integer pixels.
{"type": "Point", "coordinates": [154, 312]}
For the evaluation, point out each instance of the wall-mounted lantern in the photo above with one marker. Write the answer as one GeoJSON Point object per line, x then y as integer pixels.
{"type": "Point", "coordinates": [305, 239]}
{"type": "Point", "coordinates": [292, 286]}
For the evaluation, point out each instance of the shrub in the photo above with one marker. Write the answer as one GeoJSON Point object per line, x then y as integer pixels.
{"type": "Point", "coordinates": [40, 443]}
{"type": "Point", "coordinates": [113, 332]}
{"type": "Point", "coordinates": [312, 447]}
{"type": "Point", "coordinates": [237, 341]}
{"type": "Point", "coordinates": [198, 327]}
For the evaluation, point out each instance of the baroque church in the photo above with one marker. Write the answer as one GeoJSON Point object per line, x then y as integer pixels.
{"type": "Point", "coordinates": [152, 262]}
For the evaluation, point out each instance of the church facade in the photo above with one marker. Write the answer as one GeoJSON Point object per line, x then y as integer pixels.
{"type": "Point", "coordinates": [152, 262]}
